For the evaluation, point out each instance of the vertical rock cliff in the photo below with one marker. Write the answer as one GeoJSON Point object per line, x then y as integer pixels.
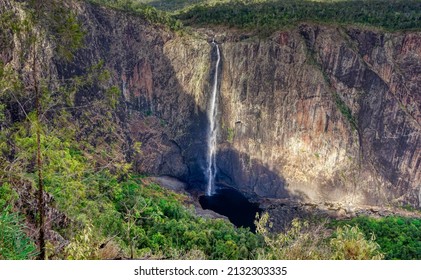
{"type": "Point", "coordinates": [314, 113]}
{"type": "Point", "coordinates": [321, 113]}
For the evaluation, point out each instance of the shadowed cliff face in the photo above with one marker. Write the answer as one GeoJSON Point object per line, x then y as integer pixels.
{"type": "Point", "coordinates": [313, 114]}
{"type": "Point", "coordinates": [161, 90]}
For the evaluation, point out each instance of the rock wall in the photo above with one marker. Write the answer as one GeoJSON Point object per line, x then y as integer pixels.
{"type": "Point", "coordinates": [162, 78]}
{"type": "Point", "coordinates": [313, 113]}
{"type": "Point", "coordinates": [322, 113]}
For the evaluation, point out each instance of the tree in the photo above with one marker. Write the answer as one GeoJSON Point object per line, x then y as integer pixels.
{"type": "Point", "coordinates": [44, 21]}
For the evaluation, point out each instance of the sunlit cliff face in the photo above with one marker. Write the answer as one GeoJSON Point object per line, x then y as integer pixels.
{"type": "Point", "coordinates": [320, 114]}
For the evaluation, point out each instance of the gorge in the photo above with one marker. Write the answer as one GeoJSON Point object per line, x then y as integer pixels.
{"type": "Point", "coordinates": [311, 114]}
{"type": "Point", "coordinates": [314, 113]}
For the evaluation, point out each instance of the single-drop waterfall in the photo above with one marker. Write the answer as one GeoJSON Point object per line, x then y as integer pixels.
{"type": "Point", "coordinates": [212, 130]}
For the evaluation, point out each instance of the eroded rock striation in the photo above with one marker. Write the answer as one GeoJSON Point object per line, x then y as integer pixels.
{"type": "Point", "coordinates": [322, 113]}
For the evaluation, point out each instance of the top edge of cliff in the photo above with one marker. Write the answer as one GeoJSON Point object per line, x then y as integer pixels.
{"type": "Point", "coordinates": [263, 17]}
{"type": "Point", "coordinates": [250, 19]}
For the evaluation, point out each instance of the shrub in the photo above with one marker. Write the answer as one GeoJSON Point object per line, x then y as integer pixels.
{"type": "Point", "coordinates": [14, 243]}
{"type": "Point", "coordinates": [314, 241]}
{"type": "Point", "coordinates": [83, 246]}
{"type": "Point", "coordinates": [350, 244]}
{"type": "Point", "coordinates": [398, 237]}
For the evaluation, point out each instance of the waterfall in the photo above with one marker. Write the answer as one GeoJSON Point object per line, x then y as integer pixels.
{"type": "Point", "coordinates": [212, 130]}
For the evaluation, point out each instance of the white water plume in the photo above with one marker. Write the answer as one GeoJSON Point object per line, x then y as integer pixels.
{"type": "Point", "coordinates": [212, 130]}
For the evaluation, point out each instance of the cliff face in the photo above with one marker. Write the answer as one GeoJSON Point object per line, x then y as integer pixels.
{"type": "Point", "coordinates": [314, 113]}
{"type": "Point", "coordinates": [162, 79]}
{"type": "Point", "coordinates": [321, 113]}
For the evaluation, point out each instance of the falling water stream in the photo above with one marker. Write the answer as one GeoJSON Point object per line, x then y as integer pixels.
{"type": "Point", "coordinates": [223, 200]}
{"type": "Point", "coordinates": [212, 130]}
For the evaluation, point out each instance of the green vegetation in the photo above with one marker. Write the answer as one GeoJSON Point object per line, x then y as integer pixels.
{"type": "Point", "coordinates": [148, 12]}
{"type": "Point", "coordinates": [349, 243]}
{"type": "Point", "coordinates": [345, 111]}
{"type": "Point", "coordinates": [156, 224]}
{"type": "Point", "coordinates": [231, 134]}
{"type": "Point", "coordinates": [173, 5]}
{"type": "Point", "coordinates": [14, 243]}
{"type": "Point", "coordinates": [271, 15]}
{"type": "Point", "coordinates": [142, 219]}
{"type": "Point", "coordinates": [313, 241]}
{"type": "Point", "coordinates": [95, 201]}
{"type": "Point", "coordinates": [398, 237]}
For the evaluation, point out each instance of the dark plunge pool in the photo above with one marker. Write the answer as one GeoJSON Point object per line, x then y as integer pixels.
{"type": "Point", "coordinates": [232, 204]}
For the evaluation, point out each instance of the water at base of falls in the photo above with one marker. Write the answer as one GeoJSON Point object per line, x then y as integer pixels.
{"type": "Point", "coordinates": [232, 204]}
{"type": "Point", "coordinates": [212, 130]}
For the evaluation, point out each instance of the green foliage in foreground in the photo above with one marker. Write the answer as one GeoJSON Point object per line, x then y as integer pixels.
{"type": "Point", "coordinates": [306, 241]}
{"type": "Point", "coordinates": [153, 223]}
{"type": "Point", "coordinates": [398, 237]}
{"type": "Point", "coordinates": [143, 220]}
{"type": "Point", "coordinates": [270, 15]}
{"type": "Point", "coordinates": [14, 243]}
{"type": "Point", "coordinates": [148, 221]}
